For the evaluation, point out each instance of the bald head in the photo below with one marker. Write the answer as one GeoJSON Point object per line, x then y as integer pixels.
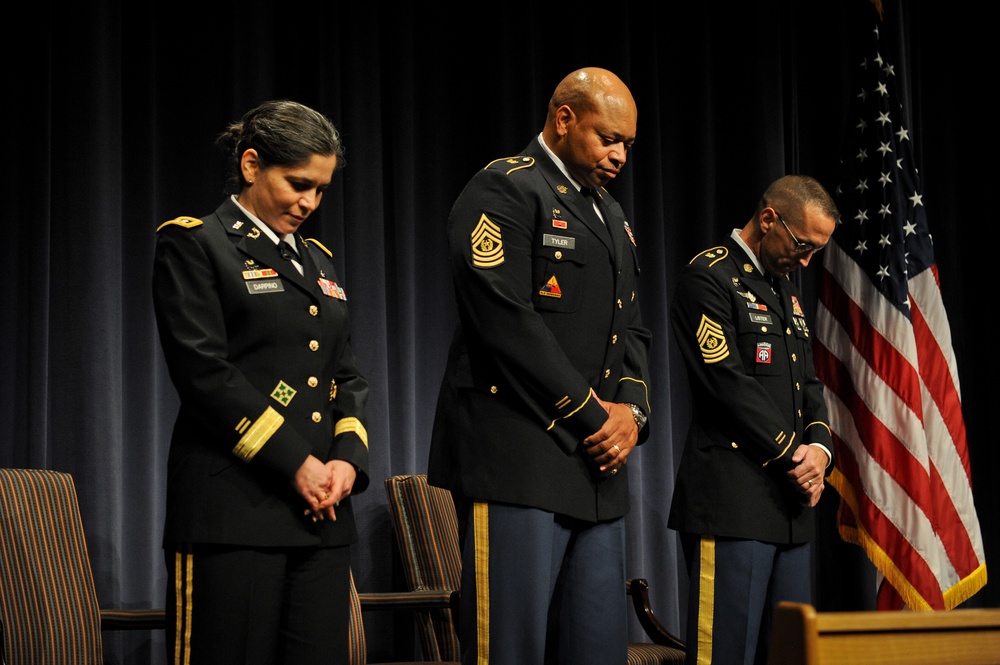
{"type": "Point", "coordinates": [590, 124]}
{"type": "Point", "coordinates": [590, 90]}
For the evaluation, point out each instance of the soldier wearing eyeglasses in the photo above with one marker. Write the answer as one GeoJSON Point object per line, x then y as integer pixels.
{"type": "Point", "coordinates": [759, 445]}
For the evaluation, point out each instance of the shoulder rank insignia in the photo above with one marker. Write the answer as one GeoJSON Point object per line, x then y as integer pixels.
{"type": "Point", "coordinates": [711, 256]}
{"type": "Point", "coordinates": [186, 222]}
{"type": "Point", "coordinates": [487, 244]}
{"type": "Point", "coordinates": [711, 341]}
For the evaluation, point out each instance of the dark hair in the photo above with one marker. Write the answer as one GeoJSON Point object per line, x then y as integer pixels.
{"type": "Point", "coordinates": [795, 192]}
{"type": "Point", "coordinates": [284, 133]}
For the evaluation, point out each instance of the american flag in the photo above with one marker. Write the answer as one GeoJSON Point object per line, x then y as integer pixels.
{"type": "Point", "coordinates": [884, 354]}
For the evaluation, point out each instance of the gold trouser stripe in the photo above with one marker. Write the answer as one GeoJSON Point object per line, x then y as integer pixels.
{"type": "Point", "coordinates": [481, 536]}
{"type": "Point", "coordinates": [183, 577]}
{"type": "Point", "coordinates": [351, 425]}
{"type": "Point", "coordinates": [706, 599]}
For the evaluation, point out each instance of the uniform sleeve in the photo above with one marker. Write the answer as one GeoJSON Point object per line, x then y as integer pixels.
{"type": "Point", "coordinates": [490, 234]}
{"type": "Point", "coordinates": [193, 335]}
{"type": "Point", "coordinates": [634, 385]}
{"type": "Point", "coordinates": [730, 400]}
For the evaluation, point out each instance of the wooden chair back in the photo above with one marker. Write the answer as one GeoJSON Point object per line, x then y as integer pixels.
{"type": "Point", "coordinates": [803, 636]}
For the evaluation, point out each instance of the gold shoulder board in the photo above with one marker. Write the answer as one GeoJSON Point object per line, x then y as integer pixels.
{"type": "Point", "coordinates": [320, 245]}
{"type": "Point", "coordinates": [511, 164]}
{"type": "Point", "coordinates": [711, 256]}
{"type": "Point", "coordinates": [186, 222]}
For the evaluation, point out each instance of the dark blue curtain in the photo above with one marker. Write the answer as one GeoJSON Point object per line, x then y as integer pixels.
{"type": "Point", "coordinates": [110, 110]}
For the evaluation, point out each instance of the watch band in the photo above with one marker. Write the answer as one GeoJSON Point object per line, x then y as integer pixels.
{"type": "Point", "coordinates": [638, 415]}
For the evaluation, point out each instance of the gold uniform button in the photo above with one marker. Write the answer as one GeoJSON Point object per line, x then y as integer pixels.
{"type": "Point", "coordinates": [633, 296]}
{"type": "Point", "coordinates": [313, 310]}
{"type": "Point", "coordinates": [313, 345]}
{"type": "Point", "coordinates": [494, 390]}
{"type": "Point", "coordinates": [614, 339]}
{"type": "Point", "coordinates": [798, 386]}
{"type": "Point", "coordinates": [734, 444]}
{"type": "Point", "coordinates": [763, 328]}
{"type": "Point", "coordinates": [788, 331]}
{"type": "Point", "coordinates": [795, 357]}
{"type": "Point", "coordinates": [800, 413]}
{"type": "Point", "coordinates": [558, 255]}
{"type": "Point", "coordinates": [607, 373]}
{"type": "Point", "coordinates": [619, 303]}
{"type": "Point", "coordinates": [317, 416]}
{"type": "Point", "coordinates": [312, 381]}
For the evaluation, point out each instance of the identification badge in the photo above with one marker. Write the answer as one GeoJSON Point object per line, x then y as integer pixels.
{"type": "Point", "coordinates": [757, 317]}
{"type": "Point", "coordinates": [265, 286]}
{"type": "Point", "coordinates": [562, 242]}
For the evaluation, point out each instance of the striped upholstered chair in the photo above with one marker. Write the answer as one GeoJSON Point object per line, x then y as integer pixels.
{"type": "Point", "coordinates": [403, 600]}
{"type": "Point", "coordinates": [49, 613]}
{"type": "Point", "coordinates": [426, 529]}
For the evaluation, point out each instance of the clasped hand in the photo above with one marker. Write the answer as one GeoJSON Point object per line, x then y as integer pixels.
{"type": "Point", "coordinates": [808, 473]}
{"type": "Point", "coordinates": [610, 446]}
{"type": "Point", "coordinates": [323, 486]}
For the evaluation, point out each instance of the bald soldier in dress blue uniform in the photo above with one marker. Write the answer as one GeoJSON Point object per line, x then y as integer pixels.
{"type": "Point", "coordinates": [546, 390]}
{"type": "Point", "coordinates": [759, 443]}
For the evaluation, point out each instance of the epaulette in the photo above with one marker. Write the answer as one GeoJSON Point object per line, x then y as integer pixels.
{"type": "Point", "coordinates": [511, 164]}
{"type": "Point", "coordinates": [320, 245]}
{"type": "Point", "coordinates": [710, 256]}
{"type": "Point", "coordinates": [186, 222]}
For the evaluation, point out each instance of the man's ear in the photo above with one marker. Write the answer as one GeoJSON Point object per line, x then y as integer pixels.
{"type": "Point", "coordinates": [564, 116]}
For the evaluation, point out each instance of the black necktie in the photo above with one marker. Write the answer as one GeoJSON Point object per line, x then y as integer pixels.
{"type": "Point", "coordinates": [288, 252]}
{"type": "Point", "coordinates": [594, 198]}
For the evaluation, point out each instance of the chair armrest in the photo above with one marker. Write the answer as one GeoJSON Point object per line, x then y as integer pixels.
{"type": "Point", "coordinates": [397, 600]}
{"type": "Point", "coordinates": [638, 589]}
{"type": "Point", "coordinates": [133, 619]}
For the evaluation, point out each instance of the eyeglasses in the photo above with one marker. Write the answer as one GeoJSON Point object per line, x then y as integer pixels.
{"type": "Point", "coordinates": [800, 247]}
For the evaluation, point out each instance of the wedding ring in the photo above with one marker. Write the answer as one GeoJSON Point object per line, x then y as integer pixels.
{"type": "Point", "coordinates": [614, 471]}
{"type": "Point", "coordinates": [809, 483]}
{"type": "Point", "coordinates": [618, 451]}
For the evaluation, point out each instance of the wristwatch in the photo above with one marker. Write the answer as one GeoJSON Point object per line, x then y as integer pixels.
{"type": "Point", "coordinates": [640, 417]}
